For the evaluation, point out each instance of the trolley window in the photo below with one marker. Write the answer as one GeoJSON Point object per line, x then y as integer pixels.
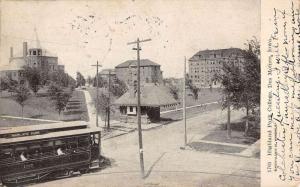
{"type": "Point", "coordinates": [83, 141]}
{"type": "Point", "coordinates": [72, 143]}
{"type": "Point", "coordinates": [6, 152]}
{"type": "Point", "coordinates": [47, 146]}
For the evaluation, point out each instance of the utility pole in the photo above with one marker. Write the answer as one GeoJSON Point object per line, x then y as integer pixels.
{"type": "Point", "coordinates": [137, 42]}
{"type": "Point", "coordinates": [108, 107]}
{"type": "Point", "coordinates": [228, 118]}
{"type": "Point", "coordinates": [184, 101]}
{"type": "Point", "coordinates": [97, 92]}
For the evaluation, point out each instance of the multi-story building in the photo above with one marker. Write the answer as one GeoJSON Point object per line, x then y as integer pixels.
{"type": "Point", "coordinates": [12, 73]}
{"type": "Point", "coordinates": [106, 73]}
{"type": "Point", "coordinates": [205, 64]}
{"type": "Point", "coordinates": [35, 57]}
{"type": "Point", "coordinates": [149, 72]}
{"type": "Point", "coordinates": [32, 57]}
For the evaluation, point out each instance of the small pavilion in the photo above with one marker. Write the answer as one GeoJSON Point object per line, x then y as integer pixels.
{"type": "Point", "coordinates": [153, 97]}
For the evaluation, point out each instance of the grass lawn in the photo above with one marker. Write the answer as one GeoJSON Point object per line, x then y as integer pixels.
{"type": "Point", "coordinates": [205, 95]}
{"type": "Point", "coordinates": [35, 107]}
{"type": "Point", "coordinates": [8, 122]}
{"type": "Point", "coordinates": [237, 134]}
{"type": "Point", "coordinates": [214, 148]}
{"type": "Point", "coordinates": [42, 108]}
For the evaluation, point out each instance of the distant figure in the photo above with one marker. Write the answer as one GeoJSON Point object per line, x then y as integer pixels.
{"type": "Point", "coordinates": [23, 158]}
{"type": "Point", "coordinates": [60, 152]}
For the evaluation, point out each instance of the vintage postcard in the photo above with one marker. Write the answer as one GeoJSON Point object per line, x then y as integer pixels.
{"type": "Point", "coordinates": [149, 93]}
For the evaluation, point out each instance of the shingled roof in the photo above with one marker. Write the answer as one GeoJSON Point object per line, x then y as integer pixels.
{"type": "Point", "coordinates": [151, 95]}
{"type": "Point", "coordinates": [143, 62]}
{"type": "Point", "coordinates": [229, 52]}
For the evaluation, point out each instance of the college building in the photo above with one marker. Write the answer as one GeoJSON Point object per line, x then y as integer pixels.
{"type": "Point", "coordinates": [154, 95]}
{"type": "Point", "coordinates": [149, 72]}
{"type": "Point", "coordinates": [32, 57]}
{"type": "Point", "coordinates": [205, 64]}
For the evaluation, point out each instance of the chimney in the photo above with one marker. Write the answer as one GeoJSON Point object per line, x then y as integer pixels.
{"type": "Point", "coordinates": [11, 52]}
{"type": "Point", "coordinates": [25, 49]}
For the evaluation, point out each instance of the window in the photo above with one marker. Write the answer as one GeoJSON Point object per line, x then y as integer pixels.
{"type": "Point", "coordinates": [6, 152]}
{"type": "Point", "coordinates": [34, 52]}
{"type": "Point", "coordinates": [131, 109]}
{"type": "Point", "coordinates": [83, 141]}
{"type": "Point", "coordinates": [47, 146]}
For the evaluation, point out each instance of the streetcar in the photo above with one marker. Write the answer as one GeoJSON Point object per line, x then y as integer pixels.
{"type": "Point", "coordinates": [33, 158]}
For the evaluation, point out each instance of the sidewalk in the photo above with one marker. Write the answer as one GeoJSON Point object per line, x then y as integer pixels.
{"type": "Point", "coordinates": [91, 110]}
{"type": "Point", "coordinates": [252, 150]}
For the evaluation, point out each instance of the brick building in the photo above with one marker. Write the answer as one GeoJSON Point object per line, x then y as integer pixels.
{"type": "Point", "coordinates": [35, 57]}
{"type": "Point", "coordinates": [205, 64]}
{"type": "Point", "coordinates": [150, 72]}
{"type": "Point", "coordinates": [105, 73]}
{"type": "Point", "coordinates": [32, 57]}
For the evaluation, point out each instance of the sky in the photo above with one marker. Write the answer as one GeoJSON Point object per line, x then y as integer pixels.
{"type": "Point", "coordinates": [81, 33]}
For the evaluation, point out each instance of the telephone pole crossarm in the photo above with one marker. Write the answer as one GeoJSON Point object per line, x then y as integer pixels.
{"type": "Point", "coordinates": [139, 41]}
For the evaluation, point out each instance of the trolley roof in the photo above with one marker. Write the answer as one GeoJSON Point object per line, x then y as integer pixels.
{"type": "Point", "coordinates": [49, 135]}
{"type": "Point", "coordinates": [41, 127]}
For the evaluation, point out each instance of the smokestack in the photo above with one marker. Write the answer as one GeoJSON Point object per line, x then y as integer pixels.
{"type": "Point", "coordinates": [11, 52]}
{"type": "Point", "coordinates": [24, 49]}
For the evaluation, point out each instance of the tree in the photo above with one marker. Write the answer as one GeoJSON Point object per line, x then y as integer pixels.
{"type": "Point", "coordinates": [34, 78]}
{"type": "Point", "coordinates": [101, 82]}
{"type": "Point", "coordinates": [174, 90]}
{"type": "Point", "coordinates": [103, 105]}
{"type": "Point", "coordinates": [241, 85]}
{"type": "Point", "coordinates": [22, 94]}
{"type": "Point", "coordinates": [80, 79]}
{"type": "Point", "coordinates": [192, 87]}
{"type": "Point", "coordinates": [118, 87]}
{"type": "Point", "coordinates": [59, 96]}
{"type": "Point", "coordinates": [61, 78]}
{"type": "Point", "coordinates": [89, 80]}
{"type": "Point", "coordinates": [250, 98]}
{"type": "Point", "coordinates": [232, 83]}
{"type": "Point", "coordinates": [173, 87]}
{"type": "Point", "coordinates": [8, 83]}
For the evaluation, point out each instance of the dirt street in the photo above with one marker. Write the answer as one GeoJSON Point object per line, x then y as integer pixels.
{"type": "Point", "coordinates": [168, 165]}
